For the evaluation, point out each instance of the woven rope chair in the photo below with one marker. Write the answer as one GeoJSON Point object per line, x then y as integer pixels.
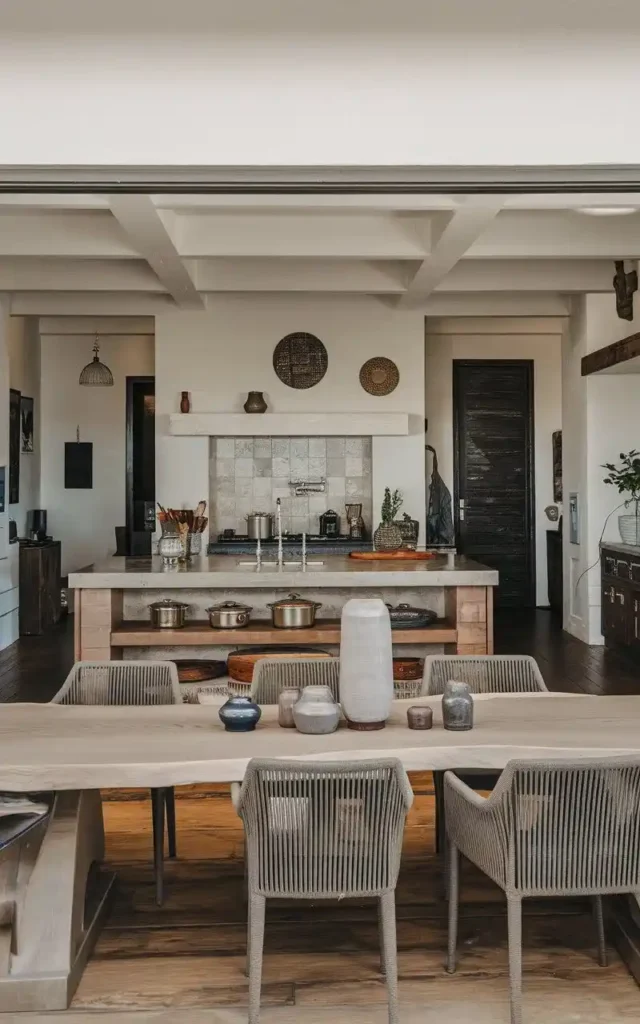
{"type": "Point", "coordinates": [272, 675]}
{"type": "Point", "coordinates": [485, 673]}
{"type": "Point", "coordinates": [323, 831]}
{"type": "Point", "coordinates": [127, 683]}
{"type": "Point", "coordinates": [550, 828]}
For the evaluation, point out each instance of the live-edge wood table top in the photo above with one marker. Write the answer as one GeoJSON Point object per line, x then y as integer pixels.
{"type": "Point", "coordinates": [45, 746]}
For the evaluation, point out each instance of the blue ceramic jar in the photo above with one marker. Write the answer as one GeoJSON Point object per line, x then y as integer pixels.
{"type": "Point", "coordinates": [239, 714]}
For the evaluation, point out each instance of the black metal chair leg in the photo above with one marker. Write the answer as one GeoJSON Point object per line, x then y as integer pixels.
{"type": "Point", "coordinates": [157, 811]}
{"type": "Point", "coordinates": [441, 828]}
{"type": "Point", "coordinates": [170, 804]}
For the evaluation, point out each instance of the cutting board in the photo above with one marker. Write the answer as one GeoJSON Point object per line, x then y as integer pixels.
{"type": "Point", "coordinates": [388, 556]}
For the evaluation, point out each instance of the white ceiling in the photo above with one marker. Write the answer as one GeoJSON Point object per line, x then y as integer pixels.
{"type": "Point", "coordinates": [124, 254]}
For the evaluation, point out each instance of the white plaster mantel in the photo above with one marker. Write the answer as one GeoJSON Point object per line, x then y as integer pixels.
{"type": "Point", "coordinates": [290, 424]}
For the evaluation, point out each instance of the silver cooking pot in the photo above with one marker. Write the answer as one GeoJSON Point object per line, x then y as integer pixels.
{"type": "Point", "coordinates": [229, 615]}
{"type": "Point", "coordinates": [260, 525]}
{"type": "Point", "coordinates": [168, 614]}
{"type": "Point", "coordinates": [293, 612]}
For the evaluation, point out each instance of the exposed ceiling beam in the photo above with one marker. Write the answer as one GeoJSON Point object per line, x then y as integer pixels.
{"type": "Point", "coordinates": [143, 225]}
{"type": "Point", "coordinates": [499, 275]}
{"type": "Point", "coordinates": [461, 230]}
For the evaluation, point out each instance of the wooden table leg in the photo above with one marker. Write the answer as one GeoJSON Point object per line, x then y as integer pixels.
{"type": "Point", "coordinates": [53, 898]}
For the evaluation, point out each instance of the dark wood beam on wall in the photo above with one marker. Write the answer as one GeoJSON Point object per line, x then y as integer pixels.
{"type": "Point", "coordinates": [611, 355]}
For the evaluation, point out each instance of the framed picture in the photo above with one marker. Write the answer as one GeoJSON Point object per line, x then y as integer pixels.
{"type": "Point", "coordinates": [556, 445]}
{"type": "Point", "coordinates": [78, 465]}
{"type": "Point", "coordinates": [26, 425]}
{"type": "Point", "coordinates": [574, 519]}
{"type": "Point", "coordinates": [14, 446]}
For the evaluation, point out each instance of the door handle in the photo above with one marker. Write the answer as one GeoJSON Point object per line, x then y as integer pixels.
{"type": "Point", "coordinates": [620, 597]}
{"type": "Point", "coordinates": [461, 509]}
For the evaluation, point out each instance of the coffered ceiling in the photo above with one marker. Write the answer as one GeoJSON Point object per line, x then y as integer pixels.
{"type": "Point", "coordinates": [66, 254]}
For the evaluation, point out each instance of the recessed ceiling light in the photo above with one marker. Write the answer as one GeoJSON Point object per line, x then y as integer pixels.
{"type": "Point", "coordinates": [607, 211]}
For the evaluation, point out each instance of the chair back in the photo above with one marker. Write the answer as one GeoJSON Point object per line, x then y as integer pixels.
{"type": "Point", "coordinates": [570, 827]}
{"type": "Point", "coordinates": [327, 829]}
{"type": "Point", "coordinates": [121, 683]}
{"type": "Point", "coordinates": [272, 675]}
{"type": "Point", "coordinates": [484, 673]}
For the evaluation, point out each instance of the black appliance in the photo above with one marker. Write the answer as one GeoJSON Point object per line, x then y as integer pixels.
{"type": "Point", "coordinates": [329, 524]}
{"type": "Point", "coordinates": [37, 524]}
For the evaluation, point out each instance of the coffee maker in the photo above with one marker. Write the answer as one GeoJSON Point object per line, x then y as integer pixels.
{"type": "Point", "coordinates": [329, 523]}
{"type": "Point", "coordinates": [37, 524]}
{"type": "Point", "coordinates": [355, 521]}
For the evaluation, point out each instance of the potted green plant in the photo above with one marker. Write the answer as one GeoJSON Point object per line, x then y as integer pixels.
{"type": "Point", "coordinates": [388, 537]}
{"type": "Point", "coordinates": [626, 477]}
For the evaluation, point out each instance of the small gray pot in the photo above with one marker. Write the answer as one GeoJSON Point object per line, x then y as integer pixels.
{"type": "Point", "coordinates": [316, 713]}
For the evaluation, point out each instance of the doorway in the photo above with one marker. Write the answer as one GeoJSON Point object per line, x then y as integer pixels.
{"type": "Point", "coordinates": [141, 464]}
{"type": "Point", "coordinates": [494, 471]}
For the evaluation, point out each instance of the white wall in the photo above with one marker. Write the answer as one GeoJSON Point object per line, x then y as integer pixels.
{"type": "Point", "coordinates": [601, 417]}
{"type": "Point", "coordinates": [221, 354]}
{"type": "Point", "coordinates": [513, 338]}
{"type": "Point", "coordinates": [84, 520]}
{"type": "Point", "coordinates": [24, 376]}
{"type": "Point", "coordinates": [296, 83]}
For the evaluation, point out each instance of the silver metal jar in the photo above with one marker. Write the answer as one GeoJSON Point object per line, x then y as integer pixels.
{"type": "Point", "coordinates": [293, 612]}
{"type": "Point", "coordinates": [229, 615]}
{"type": "Point", "coordinates": [260, 525]}
{"type": "Point", "coordinates": [168, 614]}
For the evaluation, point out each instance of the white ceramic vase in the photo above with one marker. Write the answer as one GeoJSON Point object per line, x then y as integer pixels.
{"type": "Point", "coordinates": [316, 713]}
{"type": "Point", "coordinates": [366, 663]}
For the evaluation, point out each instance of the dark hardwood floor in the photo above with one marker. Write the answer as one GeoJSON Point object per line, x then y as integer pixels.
{"type": "Point", "coordinates": [34, 668]}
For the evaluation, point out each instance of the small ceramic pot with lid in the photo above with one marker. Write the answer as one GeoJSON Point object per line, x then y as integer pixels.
{"type": "Point", "coordinates": [168, 614]}
{"type": "Point", "coordinates": [229, 615]}
{"type": "Point", "coordinates": [293, 612]}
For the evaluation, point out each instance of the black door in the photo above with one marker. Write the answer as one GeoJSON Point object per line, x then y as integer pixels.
{"type": "Point", "coordinates": [141, 464]}
{"type": "Point", "coordinates": [493, 452]}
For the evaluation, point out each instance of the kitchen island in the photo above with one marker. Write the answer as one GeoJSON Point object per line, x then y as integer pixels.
{"type": "Point", "coordinates": [112, 602]}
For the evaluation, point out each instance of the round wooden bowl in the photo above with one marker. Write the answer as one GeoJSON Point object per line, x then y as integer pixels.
{"type": "Point", "coordinates": [407, 669]}
{"type": "Point", "coordinates": [193, 670]}
{"type": "Point", "coordinates": [240, 664]}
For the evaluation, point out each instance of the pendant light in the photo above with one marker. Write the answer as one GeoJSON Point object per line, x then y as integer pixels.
{"type": "Point", "coordinates": [95, 374]}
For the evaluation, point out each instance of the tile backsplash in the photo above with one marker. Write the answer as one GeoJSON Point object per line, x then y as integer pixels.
{"type": "Point", "coordinates": [248, 474]}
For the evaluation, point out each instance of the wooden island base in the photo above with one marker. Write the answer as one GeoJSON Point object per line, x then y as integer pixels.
{"type": "Point", "coordinates": [101, 633]}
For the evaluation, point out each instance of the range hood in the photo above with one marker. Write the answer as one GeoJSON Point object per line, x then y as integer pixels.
{"type": "Point", "coordinates": [289, 424]}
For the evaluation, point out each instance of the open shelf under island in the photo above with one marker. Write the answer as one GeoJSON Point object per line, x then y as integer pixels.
{"type": "Point", "coordinates": [112, 603]}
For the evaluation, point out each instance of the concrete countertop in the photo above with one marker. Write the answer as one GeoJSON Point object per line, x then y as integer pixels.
{"type": "Point", "coordinates": [220, 572]}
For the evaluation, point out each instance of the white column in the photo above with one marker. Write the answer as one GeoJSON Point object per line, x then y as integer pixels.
{"type": "Point", "coordinates": [8, 555]}
{"type": "Point", "coordinates": [600, 419]}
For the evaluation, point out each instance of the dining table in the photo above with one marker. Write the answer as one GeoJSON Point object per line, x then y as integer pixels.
{"type": "Point", "coordinates": [55, 889]}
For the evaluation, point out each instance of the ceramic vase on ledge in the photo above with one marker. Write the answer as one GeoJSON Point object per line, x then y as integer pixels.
{"type": "Point", "coordinates": [185, 402]}
{"type": "Point", "coordinates": [255, 402]}
{"type": "Point", "coordinates": [366, 663]}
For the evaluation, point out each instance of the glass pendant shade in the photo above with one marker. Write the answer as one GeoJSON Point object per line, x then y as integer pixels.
{"type": "Point", "coordinates": [95, 374]}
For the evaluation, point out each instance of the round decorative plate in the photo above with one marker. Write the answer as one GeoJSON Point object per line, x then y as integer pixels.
{"type": "Point", "coordinates": [379, 376]}
{"type": "Point", "coordinates": [300, 360]}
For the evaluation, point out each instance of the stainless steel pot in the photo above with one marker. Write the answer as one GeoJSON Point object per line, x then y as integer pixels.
{"type": "Point", "coordinates": [229, 615]}
{"type": "Point", "coordinates": [293, 612]}
{"type": "Point", "coordinates": [168, 614]}
{"type": "Point", "coordinates": [260, 525]}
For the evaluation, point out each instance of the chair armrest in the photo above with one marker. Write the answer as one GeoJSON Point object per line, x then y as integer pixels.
{"type": "Point", "coordinates": [453, 783]}
{"type": "Point", "coordinates": [236, 795]}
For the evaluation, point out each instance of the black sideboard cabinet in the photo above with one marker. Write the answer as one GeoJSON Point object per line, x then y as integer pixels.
{"type": "Point", "coordinates": [621, 598]}
{"type": "Point", "coordinates": [39, 587]}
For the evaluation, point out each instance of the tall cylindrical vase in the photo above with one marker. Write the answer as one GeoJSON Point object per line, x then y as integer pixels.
{"type": "Point", "coordinates": [366, 663]}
